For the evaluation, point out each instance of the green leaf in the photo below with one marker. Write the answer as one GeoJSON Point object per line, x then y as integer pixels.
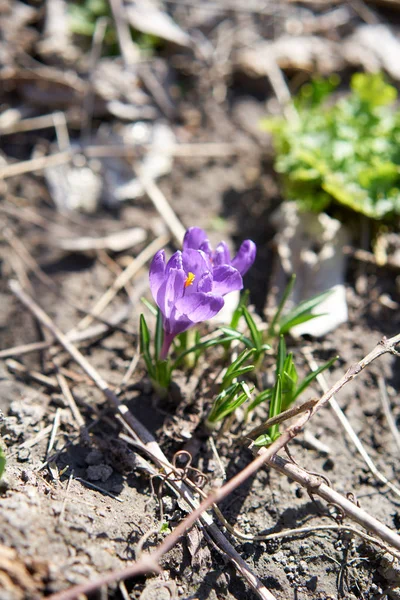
{"type": "Point", "coordinates": [163, 373]}
{"type": "Point", "coordinates": [236, 374]}
{"type": "Point", "coordinates": [2, 461]}
{"type": "Point", "coordinates": [244, 300]}
{"type": "Point", "coordinates": [299, 320]}
{"type": "Point", "coordinates": [236, 335]}
{"type": "Point", "coordinates": [262, 397]}
{"type": "Point", "coordinates": [228, 401]}
{"type": "Point", "coordinates": [165, 528]}
{"type": "Point", "coordinates": [281, 356]}
{"type": "Point", "coordinates": [220, 340]}
{"type": "Point", "coordinates": [254, 332]}
{"type": "Point", "coordinates": [80, 20]}
{"type": "Point", "coordinates": [315, 92]}
{"type": "Point", "coordinates": [276, 402]}
{"type": "Point", "coordinates": [289, 381]}
{"type": "Point", "coordinates": [372, 89]}
{"type": "Point", "coordinates": [145, 346]}
{"type": "Point", "coordinates": [286, 294]}
{"type": "Point", "coordinates": [235, 369]}
{"type": "Point", "coordinates": [265, 439]}
{"type": "Point", "coordinates": [149, 305]}
{"type": "Point", "coordinates": [302, 312]}
{"type": "Point", "coordinates": [343, 151]}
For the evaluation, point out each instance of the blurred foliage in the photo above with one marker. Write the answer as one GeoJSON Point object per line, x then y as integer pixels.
{"type": "Point", "coordinates": [82, 17]}
{"type": "Point", "coordinates": [341, 149]}
{"type": "Point", "coordinates": [2, 462]}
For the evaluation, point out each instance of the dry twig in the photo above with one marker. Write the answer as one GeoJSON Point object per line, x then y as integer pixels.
{"type": "Point", "coordinates": [123, 279]}
{"type": "Point", "coordinates": [348, 428]}
{"type": "Point", "coordinates": [387, 411]}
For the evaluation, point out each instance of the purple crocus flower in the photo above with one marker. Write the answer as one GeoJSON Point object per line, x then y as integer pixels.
{"type": "Point", "coordinates": [189, 288]}
{"type": "Point", "coordinates": [196, 239]}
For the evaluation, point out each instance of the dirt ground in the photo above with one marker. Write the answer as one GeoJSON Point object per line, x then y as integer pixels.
{"type": "Point", "coordinates": [88, 510]}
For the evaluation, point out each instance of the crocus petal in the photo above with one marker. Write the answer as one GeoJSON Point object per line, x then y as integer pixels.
{"type": "Point", "coordinates": [170, 291]}
{"type": "Point", "coordinates": [175, 262]}
{"type": "Point", "coordinates": [196, 262]}
{"type": "Point", "coordinates": [177, 324]}
{"type": "Point", "coordinates": [194, 238]}
{"type": "Point", "coordinates": [226, 279]}
{"type": "Point", "coordinates": [206, 248]}
{"type": "Point", "coordinates": [245, 257]}
{"type": "Point", "coordinates": [199, 307]}
{"type": "Point", "coordinates": [156, 273]}
{"type": "Point", "coordinates": [222, 255]}
{"type": "Point", "coordinates": [206, 282]}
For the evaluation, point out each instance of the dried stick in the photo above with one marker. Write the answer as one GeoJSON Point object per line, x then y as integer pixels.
{"type": "Point", "coordinates": [129, 50]}
{"type": "Point", "coordinates": [180, 150]}
{"type": "Point", "coordinates": [62, 382]}
{"type": "Point", "coordinates": [94, 57]}
{"type": "Point", "coordinates": [281, 418]}
{"type": "Point", "coordinates": [30, 124]}
{"type": "Point", "coordinates": [146, 564]}
{"type": "Point", "coordinates": [147, 468]}
{"type": "Point", "coordinates": [162, 205]}
{"type": "Point", "coordinates": [35, 164]}
{"type": "Point", "coordinates": [315, 485]}
{"type": "Point", "coordinates": [348, 428]}
{"type": "Point", "coordinates": [211, 149]}
{"type": "Point", "coordinates": [19, 369]}
{"type": "Point", "coordinates": [387, 412]}
{"type": "Point", "coordinates": [76, 337]}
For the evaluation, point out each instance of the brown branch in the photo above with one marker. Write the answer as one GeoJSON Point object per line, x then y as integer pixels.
{"type": "Point", "coordinates": [315, 485]}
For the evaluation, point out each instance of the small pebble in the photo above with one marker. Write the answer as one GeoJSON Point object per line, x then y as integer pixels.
{"type": "Point", "coordinates": [23, 455]}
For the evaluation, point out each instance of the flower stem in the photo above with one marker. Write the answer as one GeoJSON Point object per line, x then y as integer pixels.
{"type": "Point", "coordinates": [166, 345]}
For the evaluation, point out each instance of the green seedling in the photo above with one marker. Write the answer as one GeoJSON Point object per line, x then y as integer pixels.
{"type": "Point", "coordinates": [285, 391]}
{"type": "Point", "coordinates": [228, 401]}
{"type": "Point", "coordinates": [2, 461]}
{"type": "Point", "coordinates": [342, 151]}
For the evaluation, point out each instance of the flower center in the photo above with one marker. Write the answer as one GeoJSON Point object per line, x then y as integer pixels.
{"type": "Point", "coordinates": [189, 279]}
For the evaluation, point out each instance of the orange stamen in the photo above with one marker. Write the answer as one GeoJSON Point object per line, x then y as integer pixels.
{"type": "Point", "coordinates": [189, 279]}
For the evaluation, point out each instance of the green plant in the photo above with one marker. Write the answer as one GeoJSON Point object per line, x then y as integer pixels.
{"type": "Point", "coordinates": [2, 461]}
{"type": "Point", "coordinates": [82, 18]}
{"type": "Point", "coordinates": [160, 369]}
{"type": "Point", "coordinates": [344, 150]}
{"type": "Point", "coordinates": [285, 390]}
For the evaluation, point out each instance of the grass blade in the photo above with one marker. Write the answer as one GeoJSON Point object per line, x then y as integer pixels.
{"type": "Point", "coordinates": [303, 309]}
{"type": "Point", "coordinates": [244, 300]}
{"type": "Point", "coordinates": [243, 356]}
{"type": "Point", "coordinates": [145, 345]}
{"type": "Point", "coordinates": [262, 397]}
{"type": "Point", "coordinates": [281, 357]}
{"type": "Point", "coordinates": [286, 294]}
{"type": "Point", "coordinates": [2, 461]}
{"type": "Point", "coordinates": [149, 305]}
{"type": "Point", "coordinates": [254, 332]}
{"type": "Point", "coordinates": [202, 346]}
